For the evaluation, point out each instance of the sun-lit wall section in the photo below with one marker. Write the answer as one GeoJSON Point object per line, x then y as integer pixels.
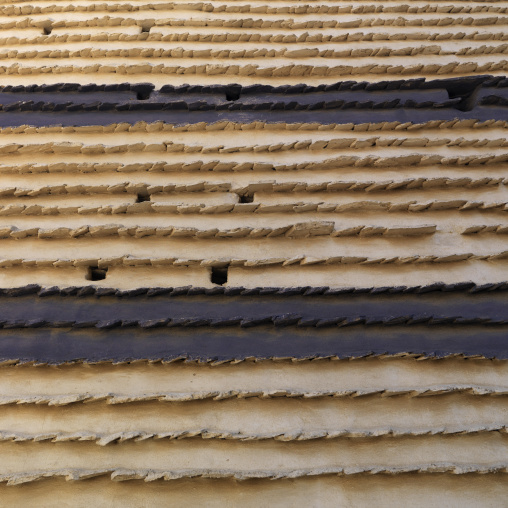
{"type": "Point", "coordinates": [253, 253]}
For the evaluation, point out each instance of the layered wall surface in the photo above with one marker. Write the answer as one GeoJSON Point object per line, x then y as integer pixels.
{"type": "Point", "coordinates": [253, 253]}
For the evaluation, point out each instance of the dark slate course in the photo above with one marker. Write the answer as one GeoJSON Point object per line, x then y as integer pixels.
{"type": "Point", "coordinates": [416, 100]}
{"type": "Point", "coordinates": [52, 325]}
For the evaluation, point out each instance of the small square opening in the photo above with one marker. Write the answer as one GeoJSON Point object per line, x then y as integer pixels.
{"type": "Point", "coordinates": [247, 198]}
{"type": "Point", "coordinates": [233, 92]}
{"type": "Point", "coordinates": [143, 96]}
{"type": "Point", "coordinates": [95, 273]}
{"type": "Point", "coordinates": [141, 198]}
{"type": "Point", "coordinates": [219, 275]}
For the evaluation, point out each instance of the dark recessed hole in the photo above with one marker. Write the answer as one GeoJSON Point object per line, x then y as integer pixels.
{"type": "Point", "coordinates": [95, 273]}
{"type": "Point", "coordinates": [142, 198]}
{"type": "Point", "coordinates": [219, 275]}
{"type": "Point", "coordinates": [232, 95]}
{"type": "Point", "coordinates": [466, 89]}
{"type": "Point", "coordinates": [145, 29]}
{"type": "Point", "coordinates": [47, 30]}
{"type": "Point", "coordinates": [143, 96]}
{"type": "Point", "coordinates": [247, 198]}
{"type": "Point", "coordinates": [233, 92]}
{"type": "Point", "coordinates": [468, 100]}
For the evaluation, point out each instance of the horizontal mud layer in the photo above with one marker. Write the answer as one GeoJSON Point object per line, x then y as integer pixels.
{"type": "Point", "coordinates": [458, 491]}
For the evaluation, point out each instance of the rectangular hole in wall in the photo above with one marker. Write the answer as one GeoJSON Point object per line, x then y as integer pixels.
{"type": "Point", "coordinates": [219, 275]}
{"type": "Point", "coordinates": [95, 273]}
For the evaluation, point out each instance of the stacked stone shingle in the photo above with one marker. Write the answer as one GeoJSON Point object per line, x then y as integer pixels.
{"type": "Point", "coordinates": [253, 254]}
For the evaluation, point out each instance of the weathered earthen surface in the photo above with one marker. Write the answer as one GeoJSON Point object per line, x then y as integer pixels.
{"type": "Point", "coordinates": [253, 254]}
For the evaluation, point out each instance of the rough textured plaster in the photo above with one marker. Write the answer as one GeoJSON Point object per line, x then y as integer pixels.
{"type": "Point", "coordinates": [420, 491]}
{"type": "Point", "coordinates": [367, 416]}
{"type": "Point", "coordinates": [400, 192]}
{"type": "Point", "coordinates": [226, 457]}
{"type": "Point", "coordinates": [311, 377]}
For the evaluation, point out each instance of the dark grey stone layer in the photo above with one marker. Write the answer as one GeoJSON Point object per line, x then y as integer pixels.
{"type": "Point", "coordinates": [67, 325]}
{"type": "Point", "coordinates": [416, 100]}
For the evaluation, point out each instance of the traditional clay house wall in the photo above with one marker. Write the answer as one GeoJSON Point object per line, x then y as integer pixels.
{"type": "Point", "coordinates": [253, 253]}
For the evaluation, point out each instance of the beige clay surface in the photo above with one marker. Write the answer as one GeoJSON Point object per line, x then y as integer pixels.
{"type": "Point", "coordinates": [341, 205]}
{"type": "Point", "coordinates": [277, 42]}
{"type": "Point", "coordinates": [317, 426]}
